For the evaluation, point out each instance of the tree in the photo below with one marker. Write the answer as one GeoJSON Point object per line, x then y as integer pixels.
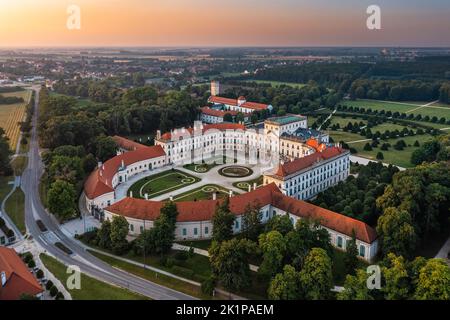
{"type": "Point", "coordinates": [380, 155]}
{"type": "Point", "coordinates": [286, 285]}
{"type": "Point", "coordinates": [104, 235]}
{"type": "Point", "coordinates": [119, 232]}
{"type": "Point", "coordinates": [397, 280]}
{"type": "Point", "coordinates": [434, 281]}
{"type": "Point", "coordinates": [355, 287]}
{"type": "Point", "coordinates": [230, 262]}
{"type": "Point", "coordinates": [273, 248]}
{"type": "Point", "coordinates": [307, 235]}
{"type": "Point", "coordinates": [105, 148]}
{"type": "Point", "coordinates": [367, 147]}
{"type": "Point", "coordinates": [316, 277]}
{"type": "Point", "coordinates": [396, 232]}
{"type": "Point", "coordinates": [280, 223]}
{"type": "Point", "coordinates": [222, 222]}
{"type": "Point", "coordinates": [351, 256]}
{"type": "Point", "coordinates": [5, 153]}
{"type": "Point", "coordinates": [61, 199]}
{"type": "Point", "coordinates": [251, 222]}
{"type": "Point", "coordinates": [228, 117]}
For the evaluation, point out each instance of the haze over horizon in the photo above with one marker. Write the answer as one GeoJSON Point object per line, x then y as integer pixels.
{"type": "Point", "coordinates": [201, 23]}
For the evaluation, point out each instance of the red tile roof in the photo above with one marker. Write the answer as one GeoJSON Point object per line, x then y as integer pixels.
{"type": "Point", "coordinates": [128, 144]}
{"type": "Point", "coordinates": [234, 102]}
{"type": "Point", "coordinates": [299, 164]}
{"type": "Point", "coordinates": [19, 279]}
{"type": "Point", "coordinates": [203, 210]}
{"type": "Point", "coordinates": [100, 181]}
{"type": "Point", "coordinates": [217, 113]}
{"type": "Point", "coordinates": [217, 126]}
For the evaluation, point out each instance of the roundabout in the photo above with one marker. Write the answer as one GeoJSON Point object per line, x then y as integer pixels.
{"type": "Point", "coordinates": [235, 171]}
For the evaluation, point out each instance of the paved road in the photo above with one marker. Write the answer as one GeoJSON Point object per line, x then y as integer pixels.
{"type": "Point", "coordinates": [88, 264]}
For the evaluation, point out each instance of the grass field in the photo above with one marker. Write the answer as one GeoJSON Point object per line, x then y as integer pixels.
{"type": "Point", "coordinates": [279, 83]}
{"type": "Point", "coordinates": [243, 185]}
{"type": "Point", "coordinates": [12, 114]}
{"type": "Point", "coordinates": [161, 183]}
{"type": "Point", "coordinates": [402, 107]}
{"type": "Point", "coordinates": [202, 193]}
{"type": "Point", "coordinates": [15, 208]}
{"type": "Point", "coordinates": [91, 289]}
{"type": "Point", "coordinates": [401, 158]}
{"type": "Point", "coordinates": [198, 264]}
{"type": "Point", "coordinates": [19, 164]}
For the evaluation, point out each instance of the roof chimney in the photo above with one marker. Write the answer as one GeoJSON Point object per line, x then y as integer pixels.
{"type": "Point", "coordinates": [158, 134]}
{"type": "Point", "coordinates": [231, 193]}
{"type": "Point", "coordinates": [99, 164]}
{"type": "Point", "coordinates": [171, 198]}
{"type": "Point", "coordinates": [131, 194]}
{"type": "Point", "coordinates": [3, 278]}
{"type": "Point", "coordinates": [146, 196]}
{"type": "Point", "coordinates": [254, 185]}
{"type": "Point", "coordinates": [214, 196]}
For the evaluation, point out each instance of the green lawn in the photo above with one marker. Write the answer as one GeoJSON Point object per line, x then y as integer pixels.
{"type": "Point", "coordinates": [205, 166]}
{"type": "Point", "coordinates": [91, 289]}
{"type": "Point", "coordinates": [161, 183]}
{"type": "Point", "coordinates": [152, 276]}
{"type": "Point", "coordinates": [243, 185]}
{"type": "Point", "coordinates": [345, 136]}
{"type": "Point", "coordinates": [279, 83]}
{"type": "Point", "coordinates": [5, 187]}
{"type": "Point", "coordinates": [433, 110]}
{"type": "Point", "coordinates": [202, 193]}
{"type": "Point", "coordinates": [200, 244]}
{"type": "Point", "coordinates": [15, 208]}
{"type": "Point", "coordinates": [19, 164]}
{"type": "Point", "coordinates": [401, 158]}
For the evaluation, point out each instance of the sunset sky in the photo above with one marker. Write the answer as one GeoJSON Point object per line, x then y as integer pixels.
{"type": "Point", "coordinates": [224, 23]}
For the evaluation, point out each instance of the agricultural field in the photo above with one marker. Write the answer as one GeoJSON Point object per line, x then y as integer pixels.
{"type": "Point", "coordinates": [12, 114]}
{"type": "Point", "coordinates": [438, 110]}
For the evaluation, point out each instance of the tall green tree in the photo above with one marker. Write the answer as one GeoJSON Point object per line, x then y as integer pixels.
{"type": "Point", "coordinates": [434, 281]}
{"type": "Point", "coordinates": [316, 277]}
{"type": "Point", "coordinates": [355, 287]}
{"type": "Point", "coordinates": [230, 262]}
{"type": "Point", "coordinates": [105, 148]}
{"type": "Point", "coordinates": [397, 280]}
{"type": "Point", "coordinates": [119, 232]}
{"type": "Point", "coordinates": [222, 222]}
{"type": "Point", "coordinates": [61, 198]}
{"type": "Point", "coordinates": [285, 285]}
{"type": "Point", "coordinates": [396, 232]}
{"type": "Point", "coordinates": [5, 153]}
{"type": "Point", "coordinates": [273, 248]}
{"type": "Point", "coordinates": [351, 256]}
{"type": "Point", "coordinates": [104, 235]}
{"type": "Point", "coordinates": [251, 222]}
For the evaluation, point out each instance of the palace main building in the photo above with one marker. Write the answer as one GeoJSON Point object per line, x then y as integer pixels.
{"type": "Point", "coordinates": [304, 164]}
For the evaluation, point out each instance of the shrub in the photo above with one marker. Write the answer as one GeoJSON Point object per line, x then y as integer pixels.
{"type": "Point", "coordinates": [59, 296]}
{"type": "Point", "coordinates": [380, 156]}
{"type": "Point", "coordinates": [367, 147]}
{"type": "Point", "coordinates": [26, 257]}
{"type": "Point", "coordinates": [49, 285]}
{"type": "Point", "coordinates": [31, 264]}
{"type": "Point", "coordinates": [208, 286]}
{"type": "Point", "coordinates": [53, 291]}
{"type": "Point", "coordinates": [39, 274]}
{"type": "Point", "coordinates": [181, 255]}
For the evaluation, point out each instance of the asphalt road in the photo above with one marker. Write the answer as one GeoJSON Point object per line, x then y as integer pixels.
{"type": "Point", "coordinates": [88, 264]}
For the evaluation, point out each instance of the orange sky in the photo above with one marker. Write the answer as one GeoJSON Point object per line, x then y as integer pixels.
{"type": "Point", "coordinates": [216, 23]}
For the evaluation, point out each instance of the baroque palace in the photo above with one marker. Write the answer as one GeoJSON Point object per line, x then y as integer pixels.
{"type": "Point", "coordinates": [300, 163]}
